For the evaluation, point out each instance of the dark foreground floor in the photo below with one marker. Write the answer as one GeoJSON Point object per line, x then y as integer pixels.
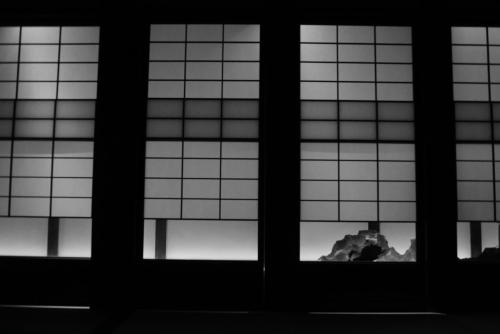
{"type": "Point", "coordinates": [152, 322]}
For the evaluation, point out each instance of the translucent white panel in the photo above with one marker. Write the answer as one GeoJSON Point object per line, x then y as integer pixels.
{"type": "Point", "coordinates": [397, 171]}
{"type": "Point", "coordinates": [31, 186]}
{"type": "Point", "coordinates": [318, 71]}
{"type": "Point", "coordinates": [241, 32]}
{"type": "Point", "coordinates": [318, 91]}
{"type": "Point", "coordinates": [33, 206]}
{"type": "Point", "coordinates": [26, 148]}
{"type": "Point", "coordinates": [164, 128]}
{"type": "Point", "coordinates": [204, 70]}
{"type": "Point", "coordinates": [473, 131]}
{"type": "Point", "coordinates": [494, 73]}
{"type": "Point", "coordinates": [31, 167]}
{"type": "Point", "coordinates": [72, 207]}
{"type": "Point", "coordinates": [74, 129]}
{"type": "Point", "coordinates": [393, 35]}
{"type": "Point", "coordinates": [5, 128]}
{"type": "Point", "coordinates": [494, 54]}
{"type": "Point", "coordinates": [203, 89]}
{"type": "Point", "coordinates": [162, 208]}
{"type": "Point", "coordinates": [79, 53]}
{"type": "Point", "coordinates": [8, 71]}
{"type": "Point", "coordinates": [36, 90]}
{"type": "Point", "coordinates": [470, 73]}
{"type": "Point", "coordinates": [357, 110]}
{"type": "Point", "coordinates": [356, 91]}
{"type": "Point", "coordinates": [241, 71]}
{"type": "Point", "coordinates": [201, 149]}
{"type": "Point", "coordinates": [318, 130]}
{"type": "Point", "coordinates": [4, 167]}
{"type": "Point", "coordinates": [472, 111]}
{"type": "Point", "coordinates": [469, 54]}
{"type": "Point", "coordinates": [40, 35]}
{"type": "Point", "coordinates": [7, 90]}
{"type": "Point", "coordinates": [244, 189]}
{"type": "Point", "coordinates": [4, 206]}
{"type": "Point", "coordinates": [5, 148]}
{"type": "Point", "coordinates": [162, 188]}
{"type": "Point", "coordinates": [470, 92]}
{"type": "Point", "coordinates": [397, 191]}
{"type": "Point", "coordinates": [77, 90]}
{"type": "Point", "coordinates": [241, 51]}
{"type": "Point", "coordinates": [358, 170]}
{"type": "Point", "coordinates": [474, 152]}
{"type": "Point", "coordinates": [200, 188]}
{"type": "Point", "coordinates": [474, 170]}
{"type": "Point", "coordinates": [29, 128]}
{"type": "Point", "coordinates": [240, 109]}
{"type": "Point", "coordinates": [494, 35]}
{"type": "Point", "coordinates": [318, 52]}
{"type": "Point", "coordinates": [204, 32]}
{"type": "Point", "coordinates": [319, 190]}
{"type": "Point", "coordinates": [166, 70]}
{"type": "Point", "coordinates": [463, 241]}
{"type": "Point", "coordinates": [495, 92]}
{"type": "Point", "coordinates": [6, 109]}
{"type": "Point", "coordinates": [358, 151]}
{"type": "Point", "coordinates": [168, 32]}
{"type": "Point", "coordinates": [201, 168]}
{"type": "Point", "coordinates": [79, 149]}
{"type": "Point", "coordinates": [239, 209]}
{"type": "Point", "coordinates": [167, 51]}
{"type": "Point", "coordinates": [489, 235]}
{"type": "Point", "coordinates": [201, 128]}
{"type": "Point", "coordinates": [23, 236]}
{"type": "Point", "coordinates": [320, 170]}
{"type": "Point", "coordinates": [395, 92]}
{"type": "Point", "coordinates": [317, 239]}
{"type": "Point", "coordinates": [75, 237]}
{"type": "Point", "coordinates": [165, 108]}
{"type": "Point", "coordinates": [73, 167]}
{"type": "Point", "coordinates": [212, 240]}
{"type": "Point", "coordinates": [356, 34]}
{"type": "Point", "coordinates": [240, 129]}
{"type": "Point", "coordinates": [396, 211]}
{"type": "Point", "coordinates": [396, 151]}
{"type": "Point", "coordinates": [75, 109]}
{"type": "Point", "coordinates": [358, 211]}
{"type": "Point", "coordinates": [395, 131]}
{"type": "Point", "coordinates": [319, 210]}
{"type": "Point", "coordinates": [475, 211]}
{"type": "Point", "coordinates": [319, 151]}
{"type": "Point", "coordinates": [394, 53]}
{"type": "Point", "coordinates": [497, 152]}
{"type": "Point", "coordinates": [394, 72]}
{"type": "Point", "coordinates": [240, 169]}
{"type": "Point", "coordinates": [241, 90]}
{"type": "Point", "coordinates": [163, 167]}
{"type": "Point", "coordinates": [9, 34]}
{"type": "Point", "coordinates": [4, 186]}
{"type": "Point", "coordinates": [204, 51]}
{"type": "Point", "coordinates": [468, 35]}
{"type": "Point", "coordinates": [398, 235]}
{"type": "Point", "coordinates": [318, 110]}
{"type": "Point", "coordinates": [478, 191]}
{"type": "Point", "coordinates": [72, 187]}
{"type": "Point", "coordinates": [34, 109]}
{"type": "Point", "coordinates": [395, 111]}
{"type": "Point", "coordinates": [200, 209]}
{"type": "Point", "coordinates": [39, 53]}
{"type": "Point", "coordinates": [359, 53]}
{"type": "Point", "coordinates": [79, 35]}
{"type": "Point", "coordinates": [356, 72]}
{"type": "Point", "coordinates": [240, 150]}
{"type": "Point", "coordinates": [84, 72]}
{"type": "Point", "coordinates": [148, 251]}
{"type": "Point", "coordinates": [358, 130]}
{"type": "Point", "coordinates": [317, 33]}
{"type": "Point", "coordinates": [360, 191]}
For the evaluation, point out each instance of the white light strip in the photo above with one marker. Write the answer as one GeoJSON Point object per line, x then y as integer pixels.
{"type": "Point", "coordinates": [63, 307]}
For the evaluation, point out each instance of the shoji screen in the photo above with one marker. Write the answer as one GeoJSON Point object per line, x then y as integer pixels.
{"type": "Point", "coordinates": [201, 182]}
{"type": "Point", "coordinates": [476, 86]}
{"type": "Point", "coordinates": [357, 151]}
{"type": "Point", "coordinates": [48, 93]}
